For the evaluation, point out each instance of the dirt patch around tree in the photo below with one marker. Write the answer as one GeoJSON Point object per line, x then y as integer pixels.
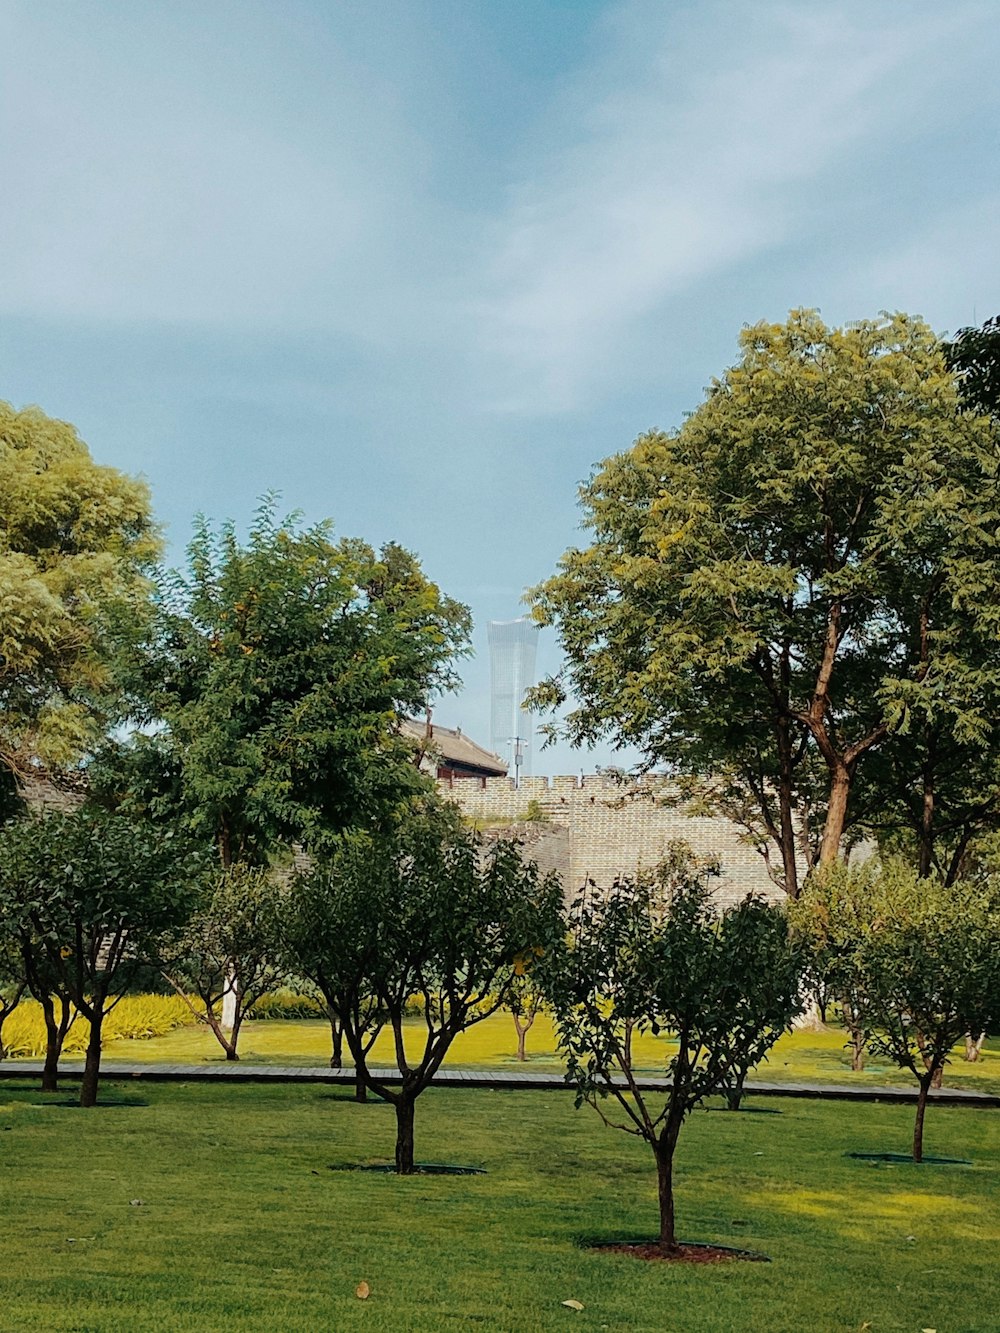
{"type": "Point", "coordinates": [685, 1253]}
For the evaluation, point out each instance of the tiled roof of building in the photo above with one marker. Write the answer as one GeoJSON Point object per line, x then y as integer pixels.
{"type": "Point", "coordinates": [454, 747]}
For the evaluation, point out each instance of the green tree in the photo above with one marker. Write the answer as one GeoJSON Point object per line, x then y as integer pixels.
{"type": "Point", "coordinates": [421, 915]}
{"type": "Point", "coordinates": [227, 954]}
{"type": "Point", "coordinates": [276, 673]}
{"type": "Point", "coordinates": [525, 1000]}
{"type": "Point", "coordinates": [13, 981]}
{"type": "Point", "coordinates": [918, 958]}
{"type": "Point", "coordinates": [76, 544]}
{"type": "Point", "coordinates": [651, 955]}
{"type": "Point", "coordinates": [830, 917]}
{"type": "Point", "coordinates": [783, 583]}
{"type": "Point", "coordinates": [93, 895]}
{"type": "Point", "coordinates": [974, 355]}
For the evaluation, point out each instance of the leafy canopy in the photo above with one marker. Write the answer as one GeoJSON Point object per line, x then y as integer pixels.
{"type": "Point", "coordinates": [76, 544]}
{"type": "Point", "coordinates": [652, 955]}
{"type": "Point", "coordinates": [276, 673]}
{"type": "Point", "coordinates": [774, 589]}
{"type": "Point", "coordinates": [423, 915]}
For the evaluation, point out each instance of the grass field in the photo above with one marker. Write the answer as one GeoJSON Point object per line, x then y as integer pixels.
{"type": "Point", "coordinates": [204, 1207]}
{"type": "Point", "coordinates": [803, 1056]}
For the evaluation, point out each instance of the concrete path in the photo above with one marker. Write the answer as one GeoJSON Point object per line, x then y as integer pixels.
{"type": "Point", "coordinates": [240, 1072]}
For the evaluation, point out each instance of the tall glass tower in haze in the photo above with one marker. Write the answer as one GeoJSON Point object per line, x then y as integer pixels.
{"type": "Point", "coordinates": [513, 645]}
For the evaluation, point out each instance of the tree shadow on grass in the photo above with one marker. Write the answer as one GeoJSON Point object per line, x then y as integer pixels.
{"type": "Point", "coordinates": [347, 1095]}
{"type": "Point", "coordinates": [103, 1103]}
{"type": "Point", "coordinates": [906, 1159]}
{"type": "Point", "coordinates": [419, 1169]}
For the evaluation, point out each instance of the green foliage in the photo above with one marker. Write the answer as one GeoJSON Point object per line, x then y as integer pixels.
{"type": "Point", "coordinates": [76, 542]}
{"type": "Point", "coordinates": [534, 813]}
{"type": "Point", "coordinates": [227, 952]}
{"type": "Point", "coordinates": [425, 913]}
{"type": "Point", "coordinates": [90, 899]}
{"type": "Point", "coordinates": [807, 567]}
{"type": "Point", "coordinates": [917, 959]}
{"type": "Point", "coordinates": [277, 671]}
{"type": "Point", "coordinates": [974, 355]}
{"type": "Point", "coordinates": [653, 956]}
{"type": "Point", "coordinates": [284, 1005]}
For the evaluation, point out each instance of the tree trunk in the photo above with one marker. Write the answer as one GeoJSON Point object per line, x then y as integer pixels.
{"type": "Point", "coordinates": [92, 1066]}
{"type": "Point", "coordinates": [790, 869]}
{"type": "Point", "coordinates": [665, 1186]}
{"type": "Point", "coordinates": [858, 1045]}
{"type": "Point", "coordinates": [836, 816]}
{"type": "Point", "coordinates": [734, 1093]}
{"type": "Point", "coordinates": [974, 1046]}
{"type": "Point", "coordinates": [360, 1085]}
{"type": "Point", "coordinates": [926, 862]}
{"type": "Point", "coordinates": [404, 1135]}
{"type": "Point", "coordinates": [522, 1032]}
{"type": "Point", "coordinates": [55, 1034]}
{"type": "Point", "coordinates": [337, 1040]}
{"type": "Point", "coordinates": [918, 1127]}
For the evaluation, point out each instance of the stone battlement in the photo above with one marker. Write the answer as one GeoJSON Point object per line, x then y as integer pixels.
{"type": "Point", "coordinates": [598, 828]}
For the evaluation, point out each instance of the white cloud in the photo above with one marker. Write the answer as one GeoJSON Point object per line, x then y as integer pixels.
{"type": "Point", "coordinates": [693, 144]}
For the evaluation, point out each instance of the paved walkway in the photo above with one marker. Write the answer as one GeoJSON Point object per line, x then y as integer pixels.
{"type": "Point", "coordinates": [241, 1072]}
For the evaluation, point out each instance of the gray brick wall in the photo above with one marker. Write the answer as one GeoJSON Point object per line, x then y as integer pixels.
{"type": "Point", "coordinates": [610, 830]}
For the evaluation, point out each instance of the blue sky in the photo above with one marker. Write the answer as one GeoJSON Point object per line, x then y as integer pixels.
{"type": "Point", "coordinates": [419, 264]}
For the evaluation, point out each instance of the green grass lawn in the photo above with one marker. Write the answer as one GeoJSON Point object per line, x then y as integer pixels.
{"type": "Point", "coordinates": [803, 1056]}
{"type": "Point", "coordinates": [243, 1226]}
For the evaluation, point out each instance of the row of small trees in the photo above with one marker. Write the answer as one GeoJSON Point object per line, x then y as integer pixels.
{"type": "Point", "coordinates": [424, 917]}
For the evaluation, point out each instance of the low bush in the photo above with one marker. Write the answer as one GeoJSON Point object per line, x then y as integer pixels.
{"type": "Point", "coordinates": [287, 1005]}
{"type": "Point", "coordinates": [133, 1018]}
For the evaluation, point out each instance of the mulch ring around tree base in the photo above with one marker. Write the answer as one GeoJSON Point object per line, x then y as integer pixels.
{"type": "Point", "coordinates": [419, 1169]}
{"type": "Point", "coordinates": [685, 1253]}
{"type": "Point", "coordinates": [906, 1159]}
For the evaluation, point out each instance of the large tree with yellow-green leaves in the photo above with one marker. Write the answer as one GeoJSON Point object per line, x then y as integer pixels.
{"type": "Point", "coordinates": [76, 542]}
{"type": "Point", "coordinates": [807, 571]}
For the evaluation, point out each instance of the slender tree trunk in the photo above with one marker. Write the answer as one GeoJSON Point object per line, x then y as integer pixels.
{"type": "Point", "coordinates": [734, 1093]}
{"type": "Point", "coordinates": [858, 1049]}
{"type": "Point", "coordinates": [6, 1009]}
{"type": "Point", "coordinates": [790, 869]}
{"type": "Point", "coordinates": [974, 1046]}
{"type": "Point", "coordinates": [932, 1063]}
{"type": "Point", "coordinates": [337, 1040]}
{"type": "Point", "coordinates": [92, 1066]}
{"type": "Point", "coordinates": [234, 1036]}
{"type": "Point", "coordinates": [404, 1134]}
{"type": "Point", "coordinates": [856, 1037]}
{"type": "Point", "coordinates": [918, 1127]}
{"type": "Point", "coordinates": [522, 1033]}
{"type": "Point", "coordinates": [926, 860]}
{"type": "Point", "coordinates": [360, 1085]}
{"type": "Point", "coordinates": [218, 1031]}
{"type": "Point", "coordinates": [665, 1188]}
{"type": "Point", "coordinates": [836, 815]}
{"type": "Point", "coordinates": [55, 1035]}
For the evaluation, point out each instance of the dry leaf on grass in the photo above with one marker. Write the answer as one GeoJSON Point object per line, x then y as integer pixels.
{"type": "Point", "coordinates": [363, 1291]}
{"type": "Point", "coordinates": [574, 1305]}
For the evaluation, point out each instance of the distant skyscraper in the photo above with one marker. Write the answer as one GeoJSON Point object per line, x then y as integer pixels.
{"type": "Point", "coordinates": [513, 644]}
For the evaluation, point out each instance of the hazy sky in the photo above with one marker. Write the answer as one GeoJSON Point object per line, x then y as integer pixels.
{"type": "Point", "coordinates": [419, 264]}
